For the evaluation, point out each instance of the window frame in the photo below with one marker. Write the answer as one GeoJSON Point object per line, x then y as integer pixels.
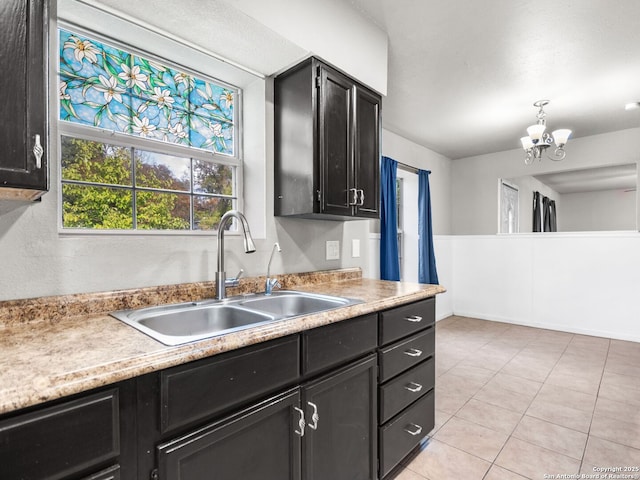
{"type": "Point", "coordinates": [98, 134]}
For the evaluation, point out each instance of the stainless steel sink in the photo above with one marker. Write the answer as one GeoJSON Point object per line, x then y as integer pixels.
{"type": "Point", "coordinates": [178, 324]}
{"type": "Point", "coordinates": [188, 322]}
{"type": "Point", "coordinates": [293, 304]}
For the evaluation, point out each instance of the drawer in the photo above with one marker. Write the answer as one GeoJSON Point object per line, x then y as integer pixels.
{"type": "Point", "coordinates": [337, 343]}
{"type": "Point", "coordinates": [61, 441]}
{"type": "Point", "coordinates": [407, 319]}
{"type": "Point", "coordinates": [201, 389]}
{"type": "Point", "coordinates": [404, 433]}
{"type": "Point", "coordinates": [406, 353]}
{"type": "Point", "coordinates": [405, 389]}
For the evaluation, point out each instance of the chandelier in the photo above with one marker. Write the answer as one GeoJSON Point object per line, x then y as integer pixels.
{"type": "Point", "coordinates": [538, 140]}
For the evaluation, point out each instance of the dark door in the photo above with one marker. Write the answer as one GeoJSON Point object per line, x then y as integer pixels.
{"type": "Point", "coordinates": [23, 92]}
{"type": "Point", "coordinates": [344, 444]}
{"type": "Point", "coordinates": [367, 153]}
{"type": "Point", "coordinates": [336, 145]}
{"type": "Point", "coordinates": [257, 444]}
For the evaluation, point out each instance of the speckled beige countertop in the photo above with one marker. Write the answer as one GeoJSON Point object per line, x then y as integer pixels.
{"type": "Point", "coordinates": [57, 346]}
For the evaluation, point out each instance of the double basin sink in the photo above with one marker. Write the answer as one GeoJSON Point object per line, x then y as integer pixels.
{"type": "Point", "coordinates": [187, 322]}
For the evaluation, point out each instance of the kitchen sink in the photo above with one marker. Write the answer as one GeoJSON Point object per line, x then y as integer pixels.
{"type": "Point", "coordinates": [178, 324]}
{"type": "Point", "coordinates": [293, 304]}
{"type": "Point", "coordinates": [187, 322]}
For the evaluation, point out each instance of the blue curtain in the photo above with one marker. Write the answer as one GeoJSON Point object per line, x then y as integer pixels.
{"type": "Point", "coordinates": [389, 260]}
{"type": "Point", "coordinates": [427, 272]}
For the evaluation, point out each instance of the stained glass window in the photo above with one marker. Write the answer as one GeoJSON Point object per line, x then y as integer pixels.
{"type": "Point", "coordinates": [144, 145]}
{"type": "Point", "coordinates": [110, 88]}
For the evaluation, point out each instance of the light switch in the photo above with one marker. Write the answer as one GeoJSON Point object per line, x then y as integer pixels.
{"type": "Point", "coordinates": [333, 250]}
{"type": "Point", "coordinates": [355, 247]}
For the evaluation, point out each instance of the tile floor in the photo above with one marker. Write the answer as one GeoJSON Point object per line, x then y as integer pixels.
{"type": "Point", "coordinates": [516, 402]}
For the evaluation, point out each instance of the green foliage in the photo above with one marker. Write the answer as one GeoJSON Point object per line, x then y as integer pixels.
{"type": "Point", "coordinates": [107, 207]}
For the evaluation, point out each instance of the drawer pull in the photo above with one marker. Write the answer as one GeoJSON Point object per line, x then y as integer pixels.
{"type": "Point", "coordinates": [413, 318]}
{"type": "Point", "coordinates": [413, 352]}
{"type": "Point", "coordinates": [301, 422]}
{"type": "Point", "coordinates": [417, 429]}
{"type": "Point", "coordinates": [313, 424]}
{"type": "Point", "coordinates": [413, 387]}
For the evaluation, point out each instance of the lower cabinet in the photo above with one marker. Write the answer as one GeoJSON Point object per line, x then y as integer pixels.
{"type": "Point", "coordinates": [258, 443]}
{"type": "Point", "coordinates": [340, 442]}
{"type": "Point", "coordinates": [89, 437]}
{"type": "Point", "coordinates": [325, 429]}
{"type": "Point", "coordinates": [407, 380]}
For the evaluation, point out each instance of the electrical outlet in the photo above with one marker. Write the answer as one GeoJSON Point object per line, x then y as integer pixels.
{"type": "Point", "coordinates": [333, 250]}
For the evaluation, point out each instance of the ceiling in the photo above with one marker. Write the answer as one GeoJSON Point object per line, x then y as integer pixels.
{"type": "Point", "coordinates": [463, 74]}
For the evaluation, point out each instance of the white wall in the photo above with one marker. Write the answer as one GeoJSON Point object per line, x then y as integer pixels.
{"type": "Point", "coordinates": [597, 211]}
{"type": "Point", "coordinates": [414, 155]}
{"type": "Point", "coordinates": [473, 179]}
{"type": "Point", "coordinates": [583, 283]}
{"type": "Point", "coordinates": [332, 30]}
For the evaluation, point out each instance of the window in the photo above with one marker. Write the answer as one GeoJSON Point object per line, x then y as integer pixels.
{"type": "Point", "coordinates": [144, 145]}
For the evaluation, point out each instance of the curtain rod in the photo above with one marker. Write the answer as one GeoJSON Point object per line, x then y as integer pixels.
{"type": "Point", "coordinates": [407, 168]}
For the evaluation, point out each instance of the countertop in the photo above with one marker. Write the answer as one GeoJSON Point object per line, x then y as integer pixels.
{"type": "Point", "coordinates": [45, 358]}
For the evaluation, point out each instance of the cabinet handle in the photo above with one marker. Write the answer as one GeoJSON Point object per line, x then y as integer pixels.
{"type": "Point", "coordinates": [361, 203]}
{"type": "Point", "coordinates": [38, 151]}
{"type": "Point", "coordinates": [354, 202]}
{"type": "Point", "coordinates": [413, 352]}
{"type": "Point", "coordinates": [301, 422]}
{"type": "Point", "coordinates": [313, 424]}
{"type": "Point", "coordinates": [413, 318]}
{"type": "Point", "coordinates": [413, 387]}
{"type": "Point", "coordinates": [417, 429]}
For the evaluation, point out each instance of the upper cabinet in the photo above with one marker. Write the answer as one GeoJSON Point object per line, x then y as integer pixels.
{"type": "Point", "coordinates": [23, 96]}
{"type": "Point", "coordinates": [327, 144]}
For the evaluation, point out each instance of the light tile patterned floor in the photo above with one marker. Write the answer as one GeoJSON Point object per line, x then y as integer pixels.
{"type": "Point", "coordinates": [515, 402]}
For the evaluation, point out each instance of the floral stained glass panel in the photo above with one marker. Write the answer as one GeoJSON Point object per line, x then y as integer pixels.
{"type": "Point", "coordinates": [106, 87]}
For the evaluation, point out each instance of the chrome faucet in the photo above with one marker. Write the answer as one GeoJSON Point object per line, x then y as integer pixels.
{"type": "Point", "coordinates": [221, 277]}
{"type": "Point", "coordinates": [271, 283]}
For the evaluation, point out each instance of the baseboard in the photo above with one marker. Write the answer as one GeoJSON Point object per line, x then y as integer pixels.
{"type": "Point", "coordinates": [550, 326]}
{"type": "Point", "coordinates": [442, 316]}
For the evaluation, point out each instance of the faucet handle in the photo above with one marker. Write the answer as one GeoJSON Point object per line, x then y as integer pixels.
{"type": "Point", "coordinates": [270, 284]}
{"type": "Point", "coordinates": [235, 281]}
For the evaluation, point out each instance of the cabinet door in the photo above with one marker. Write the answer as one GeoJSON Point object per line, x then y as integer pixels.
{"type": "Point", "coordinates": [343, 446]}
{"type": "Point", "coordinates": [23, 33]}
{"type": "Point", "coordinates": [335, 127]}
{"type": "Point", "coordinates": [367, 153]}
{"type": "Point", "coordinates": [257, 444]}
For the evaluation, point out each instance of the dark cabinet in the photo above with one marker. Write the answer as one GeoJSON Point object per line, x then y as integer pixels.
{"type": "Point", "coordinates": [256, 444]}
{"type": "Point", "coordinates": [23, 96]}
{"type": "Point", "coordinates": [91, 437]}
{"type": "Point", "coordinates": [327, 144]}
{"type": "Point", "coordinates": [215, 386]}
{"type": "Point", "coordinates": [324, 426]}
{"type": "Point", "coordinates": [407, 378]}
{"type": "Point", "coordinates": [340, 440]}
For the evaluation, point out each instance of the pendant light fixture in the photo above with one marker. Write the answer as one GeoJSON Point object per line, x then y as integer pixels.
{"type": "Point", "coordinates": [538, 140]}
